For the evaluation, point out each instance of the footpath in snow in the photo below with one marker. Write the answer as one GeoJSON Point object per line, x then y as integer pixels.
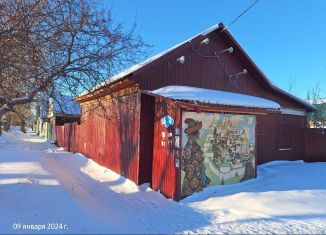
{"type": "Point", "coordinates": [41, 184]}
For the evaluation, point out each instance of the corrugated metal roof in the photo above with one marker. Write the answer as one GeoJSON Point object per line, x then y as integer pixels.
{"type": "Point", "coordinates": [65, 105]}
{"type": "Point", "coordinates": [61, 105]}
{"type": "Point", "coordinates": [136, 67]}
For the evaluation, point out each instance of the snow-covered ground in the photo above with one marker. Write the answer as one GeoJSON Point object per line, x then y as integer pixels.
{"type": "Point", "coordinates": [43, 185]}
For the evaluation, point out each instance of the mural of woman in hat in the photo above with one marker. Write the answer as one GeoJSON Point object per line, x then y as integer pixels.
{"type": "Point", "coordinates": [195, 178]}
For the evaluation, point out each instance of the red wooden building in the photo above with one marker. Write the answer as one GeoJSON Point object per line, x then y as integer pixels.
{"type": "Point", "coordinates": [144, 133]}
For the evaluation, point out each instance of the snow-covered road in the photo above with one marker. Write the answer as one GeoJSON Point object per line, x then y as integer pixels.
{"type": "Point", "coordinates": [41, 184]}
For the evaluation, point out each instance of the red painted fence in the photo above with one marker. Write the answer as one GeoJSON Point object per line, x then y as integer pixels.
{"type": "Point", "coordinates": [112, 142]}
{"type": "Point", "coordinates": [315, 145]}
{"type": "Point", "coordinates": [69, 137]}
{"type": "Point", "coordinates": [72, 138]}
{"type": "Point", "coordinates": [115, 144]}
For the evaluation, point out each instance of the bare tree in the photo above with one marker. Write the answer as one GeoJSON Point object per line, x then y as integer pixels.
{"type": "Point", "coordinates": [291, 85]}
{"type": "Point", "coordinates": [63, 46]}
{"type": "Point", "coordinates": [7, 124]}
{"type": "Point", "coordinates": [313, 96]}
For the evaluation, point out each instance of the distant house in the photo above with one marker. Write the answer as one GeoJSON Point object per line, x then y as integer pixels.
{"type": "Point", "coordinates": [57, 111]}
{"type": "Point", "coordinates": [199, 114]}
{"type": "Point", "coordinates": [317, 119]}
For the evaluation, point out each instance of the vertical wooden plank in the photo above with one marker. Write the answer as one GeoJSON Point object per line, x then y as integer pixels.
{"type": "Point", "coordinates": [267, 137]}
{"type": "Point", "coordinates": [118, 150]}
{"type": "Point", "coordinates": [164, 172]}
{"type": "Point", "coordinates": [316, 145]}
{"type": "Point", "coordinates": [198, 71]}
{"type": "Point", "coordinates": [178, 149]}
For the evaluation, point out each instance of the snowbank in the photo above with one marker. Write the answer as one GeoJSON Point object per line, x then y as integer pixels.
{"type": "Point", "coordinates": [40, 184]}
{"type": "Point", "coordinates": [2, 140]}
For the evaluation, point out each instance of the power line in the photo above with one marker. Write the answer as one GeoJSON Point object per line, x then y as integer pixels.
{"type": "Point", "coordinates": [240, 15]}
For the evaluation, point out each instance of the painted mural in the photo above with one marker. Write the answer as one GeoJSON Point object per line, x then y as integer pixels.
{"type": "Point", "coordinates": [217, 149]}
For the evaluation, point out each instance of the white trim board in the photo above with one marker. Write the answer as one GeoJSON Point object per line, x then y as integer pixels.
{"type": "Point", "coordinates": [293, 112]}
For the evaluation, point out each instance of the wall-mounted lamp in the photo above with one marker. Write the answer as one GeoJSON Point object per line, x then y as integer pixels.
{"type": "Point", "coordinates": [181, 59]}
{"type": "Point", "coordinates": [227, 50]}
{"type": "Point", "coordinates": [240, 73]}
{"type": "Point", "coordinates": [205, 41]}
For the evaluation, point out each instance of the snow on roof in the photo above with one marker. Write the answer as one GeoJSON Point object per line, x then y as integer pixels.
{"type": "Point", "coordinates": [44, 109]}
{"type": "Point", "coordinates": [63, 104]}
{"type": "Point", "coordinates": [215, 97]}
{"type": "Point", "coordinates": [211, 29]}
{"type": "Point", "coordinates": [317, 101]}
{"type": "Point", "coordinates": [134, 68]}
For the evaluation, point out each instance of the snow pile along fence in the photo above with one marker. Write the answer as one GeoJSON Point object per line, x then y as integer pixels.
{"type": "Point", "coordinates": [69, 137]}
{"type": "Point", "coordinates": [72, 138]}
{"type": "Point", "coordinates": [111, 141]}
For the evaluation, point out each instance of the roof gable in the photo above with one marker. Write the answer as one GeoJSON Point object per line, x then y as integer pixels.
{"type": "Point", "coordinates": [226, 35]}
{"type": "Point", "coordinates": [135, 68]}
{"type": "Point", "coordinates": [258, 71]}
{"type": "Point", "coordinates": [64, 105]}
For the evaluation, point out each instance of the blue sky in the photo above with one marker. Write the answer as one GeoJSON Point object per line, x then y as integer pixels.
{"type": "Point", "coordinates": [286, 38]}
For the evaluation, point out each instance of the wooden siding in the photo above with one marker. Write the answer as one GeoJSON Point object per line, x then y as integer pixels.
{"type": "Point", "coordinates": [164, 176]}
{"type": "Point", "coordinates": [315, 145]}
{"type": "Point", "coordinates": [207, 73]}
{"type": "Point", "coordinates": [119, 88]}
{"type": "Point", "coordinates": [128, 140]}
{"type": "Point", "coordinates": [111, 141]}
{"type": "Point", "coordinates": [270, 137]}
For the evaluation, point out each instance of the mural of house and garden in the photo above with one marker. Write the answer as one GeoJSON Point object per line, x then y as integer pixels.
{"type": "Point", "coordinates": [217, 149]}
